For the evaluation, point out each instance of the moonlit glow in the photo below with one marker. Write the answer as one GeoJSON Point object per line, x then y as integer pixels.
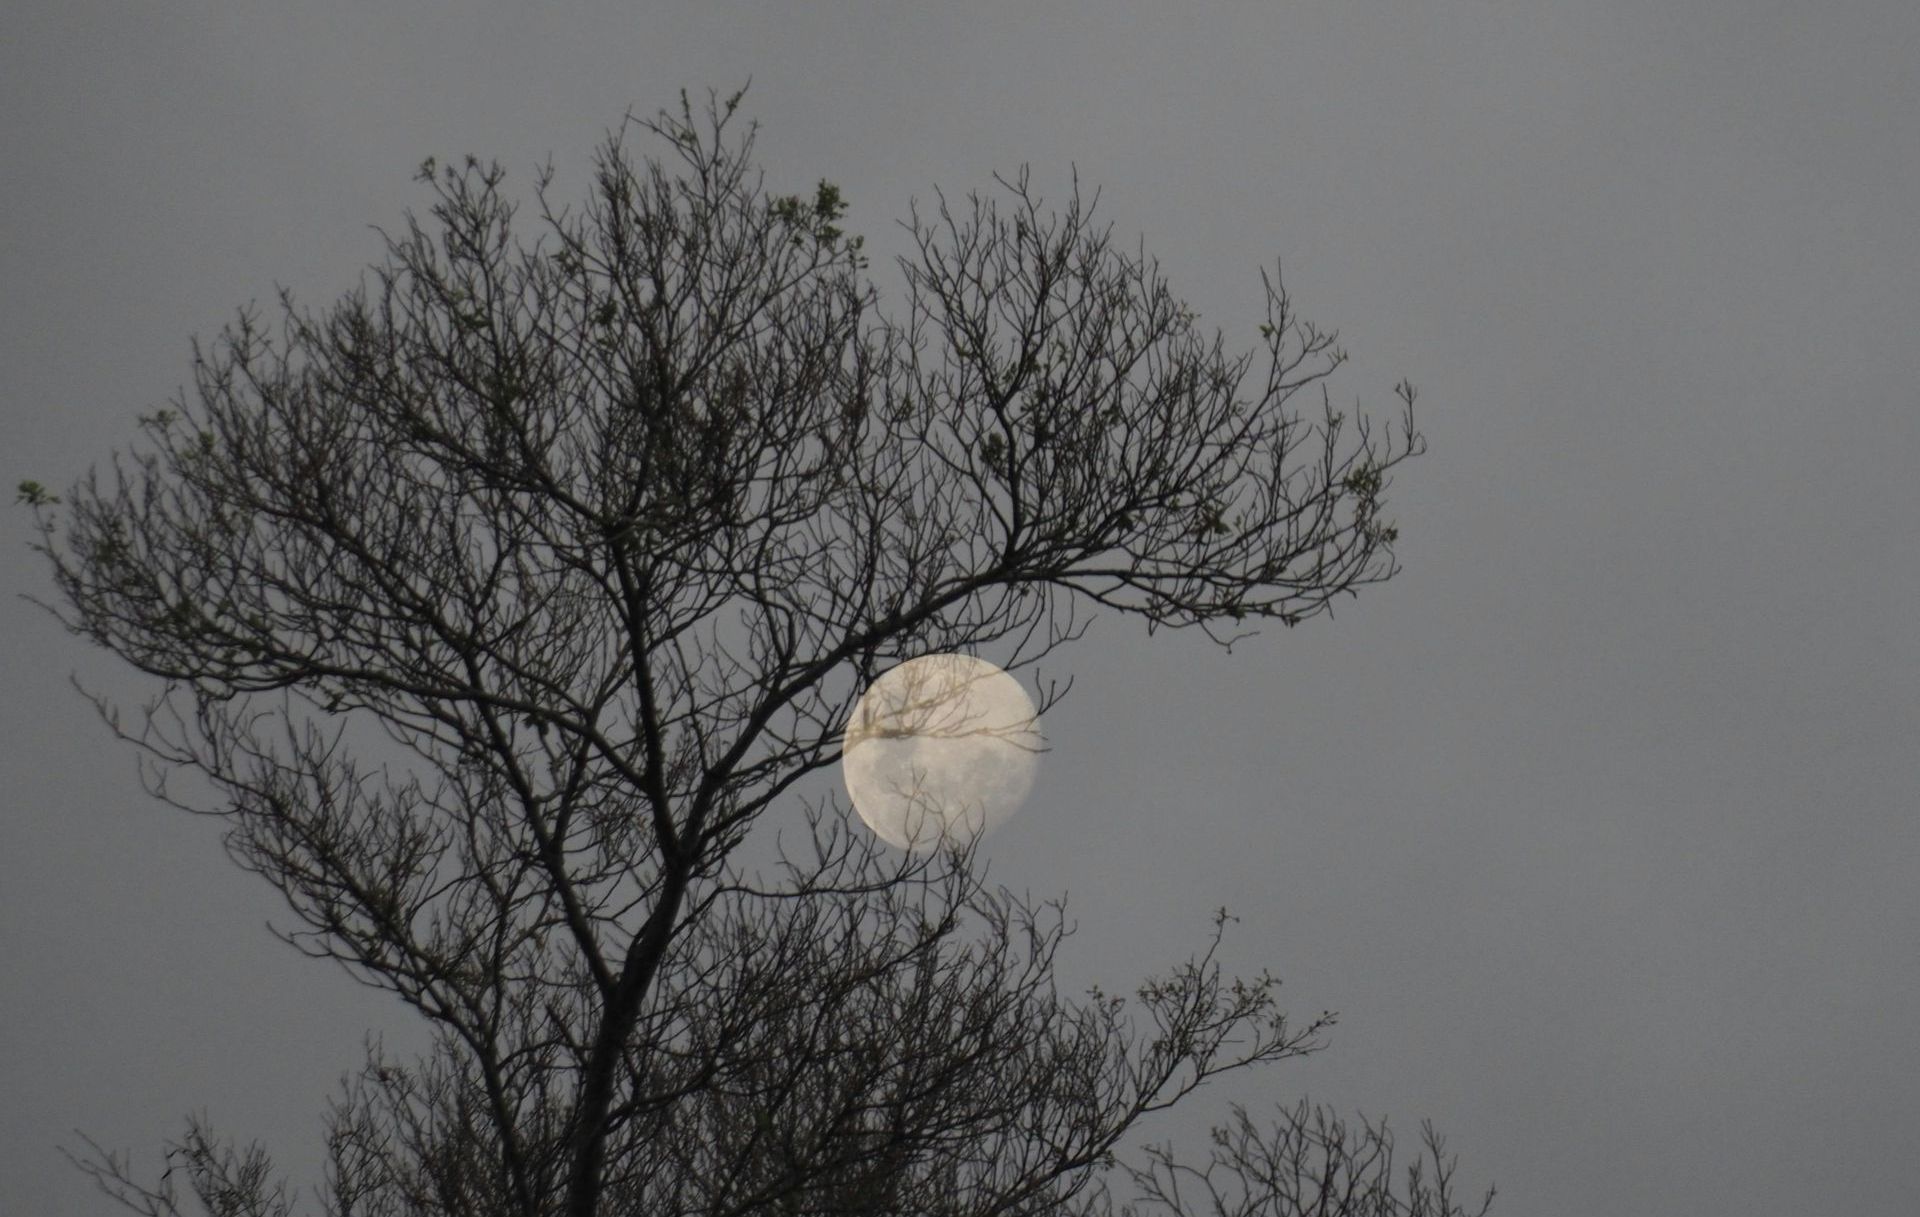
{"type": "Point", "coordinates": [940, 749]}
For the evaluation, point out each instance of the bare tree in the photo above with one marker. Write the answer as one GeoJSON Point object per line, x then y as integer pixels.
{"type": "Point", "coordinates": [1306, 1164]}
{"type": "Point", "coordinates": [606, 533]}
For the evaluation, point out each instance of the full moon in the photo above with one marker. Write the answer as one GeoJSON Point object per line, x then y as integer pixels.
{"type": "Point", "coordinates": [940, 750]}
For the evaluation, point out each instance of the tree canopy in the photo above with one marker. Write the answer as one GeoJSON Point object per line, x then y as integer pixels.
{"type": "Point", "coordinates": [606, 531]}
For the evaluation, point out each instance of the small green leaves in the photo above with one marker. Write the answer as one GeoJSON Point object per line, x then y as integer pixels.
{"type": "Point", "coordinates": [1210, 521]}
{"type": "Point", "coordinates": [33, 494]}
{"type": "Point", "coordinates": [827, 203]}
{"type": "Point", "coordinates": [815, 218]}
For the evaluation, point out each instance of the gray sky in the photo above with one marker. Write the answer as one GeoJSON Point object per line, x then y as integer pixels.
{"type": "Point", "coordinates": [1597, 825]}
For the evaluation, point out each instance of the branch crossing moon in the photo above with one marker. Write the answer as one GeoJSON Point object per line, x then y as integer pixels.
{"type": "Point", "coordinates": [940, 749]}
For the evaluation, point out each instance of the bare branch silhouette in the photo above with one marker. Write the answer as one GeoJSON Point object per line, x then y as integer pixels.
{"type": "Point", "coordinates": [605, 533]}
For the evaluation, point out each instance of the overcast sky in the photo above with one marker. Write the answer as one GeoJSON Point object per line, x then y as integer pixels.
{"type": "Point", "coordinates": [1598, 824]}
